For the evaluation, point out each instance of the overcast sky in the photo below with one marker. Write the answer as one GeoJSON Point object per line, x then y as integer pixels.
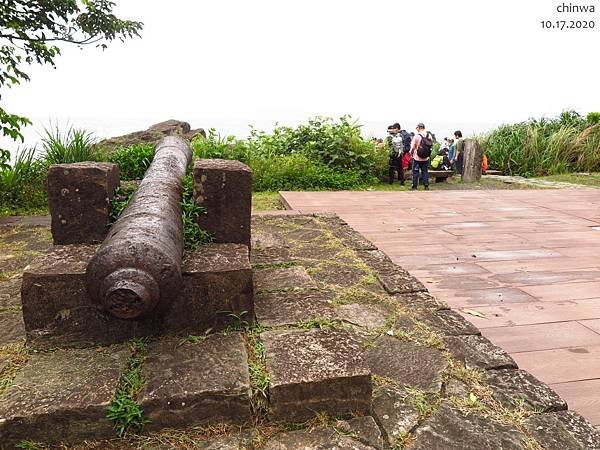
{"type": "Point", "coordinates": [233, 61]}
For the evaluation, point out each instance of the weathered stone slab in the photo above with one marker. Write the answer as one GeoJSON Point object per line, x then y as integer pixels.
{"type": "Point", "coordinates": [458, 389]}
{"type": "Point", "coordinates": [351, 238]}
{"type": "Point", "coordinates": [511, 387]}
{"type": "Point", "coordinates": [395, 414]}
{"type": "Point", "coordinates": [10, 293]}
{"type": "Point", "coordinates": [321, 251]}
{"type": "Point", "coordinates": [369, 317]}
{"type": "Point", "coordinates": [315, 439]}
{"type": "Point", "coordinates": [316, 371]}
{"type": "Point", "coordinates": [263, 238]}
{"type": "Point", "coordinates": [407, 363]}
{"type": "Point", "coordinates": [477, 352]}
{"type": "Point", "coordinates": [217, 290]}
{"type": "Point", "coordinates": [12, 329]}
{"type": "Point", "coordinates": [282, 279]}
{"type": "Point", "coordinates": [394, 279]}
{"type": "Point", "coordinates": [57, 310]}
{"type": "Point", "coordinates": [450, 430]}
{"type": "Point", "coordinates": [421, 300]}
{"type": "Point", "coordinates": [288, 308]}
{"type": "Point", "coordinates": [363, 429]}
{"type": "Point", "coordinates": [62, 396]}
{"type": "Point", "coordinates": [309, 233]}
{"type": "Point", "coordinates": [563, 430]}
{"type": "Point", "coordinates": [448, 323]}
{"type": "Point", "coordinates": [13, 262]}
{"type": "Point", "coordinates": [224, 189]}
{"type": "Point", "coordinates": [400, 282]}
{"type": "Point", "coordinates": [341, 275]}
{"type": "Point", "coordinates": [201, 383]}
{"type": "Point", "coordinates": [270, 255]}
{"type": "Point", "coordinates": [79, 198]}
{"type": "Point", "coordinates": [236, 442]}
{"type": "Point", "coordinates": [377, 260]}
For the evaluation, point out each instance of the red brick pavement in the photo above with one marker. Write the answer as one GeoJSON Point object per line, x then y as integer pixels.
{"type": "Point", "coordinates": [526, 259]}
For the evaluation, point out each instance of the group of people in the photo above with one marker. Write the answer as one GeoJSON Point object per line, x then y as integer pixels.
{"type": "Point", "coordinates": [413, 151]}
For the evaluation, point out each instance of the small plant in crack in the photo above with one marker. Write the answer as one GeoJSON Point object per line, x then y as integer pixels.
{"type": "Point", "coordinates": [124, 410]}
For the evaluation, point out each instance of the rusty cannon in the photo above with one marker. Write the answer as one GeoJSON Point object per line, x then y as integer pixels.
{"type": "Point", "coordinates": [137, 269]}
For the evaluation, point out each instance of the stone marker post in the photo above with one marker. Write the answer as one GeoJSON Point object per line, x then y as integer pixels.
{"type": "Point", "coordinates": [79, 199]}
{"type": "Point", "coordinates": [224, 189]}
{"type": "Point", "coordinates": [472, 158]}
{"type": "Point", "coordinates": [137, 270]}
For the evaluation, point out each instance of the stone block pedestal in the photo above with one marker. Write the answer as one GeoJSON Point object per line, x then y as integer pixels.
{"type": "Point", "coordinates": [224, 189]}
{"type": "Point", "coordinates": [58, 312]}
{"type": "Point", "coordinates": [62, 396]}
{"type": "Point", "coordinates": [316, 371]}
{"type": "Point", "coordinates": [196, 383]}
{"type": "Point", "coordinates": [79, 198]}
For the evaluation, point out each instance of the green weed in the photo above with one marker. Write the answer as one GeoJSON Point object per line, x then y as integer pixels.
{"type": "Point", "coordinates": [124, 409]}
{"type": "Point", "coordinates": [257, 366]}
{"type": "Point", "coordinates": [29, 445]}
{"type": "Point", "coordinates": [133, 161]}
{"type": "Point", "coordinates": [17, 356]}
{"type": "Point", "coordinates": [266, 201]}
{"type": "Point", "coordinates": [193, 235]}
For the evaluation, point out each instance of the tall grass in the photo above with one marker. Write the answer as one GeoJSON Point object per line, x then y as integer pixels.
{"type": "Point", "coordinates": [23, 183]}
{"type": "Point", "coordinates": [70, 146]}
{"type": "Point", "coordinates": [538, 147]}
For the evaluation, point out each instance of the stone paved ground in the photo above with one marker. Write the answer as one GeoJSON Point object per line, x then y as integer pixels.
{"type": "Point", "coordinates": [522, 265]}
{"type": "Point", "coordinates": [341, 331]}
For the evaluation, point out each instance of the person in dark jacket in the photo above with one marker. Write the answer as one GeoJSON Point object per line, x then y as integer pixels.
{"type": "Point", "coordinates": [396, 145]}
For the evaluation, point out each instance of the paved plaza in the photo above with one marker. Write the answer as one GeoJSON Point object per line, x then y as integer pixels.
{"type": "Point", "coordinates": [522, 265]}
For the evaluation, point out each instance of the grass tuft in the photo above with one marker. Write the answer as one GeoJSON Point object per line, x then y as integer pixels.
{"type": "Point", "coordinates": [124, 410]}
{"type": "Point", "coordinates": [257, 366]}
{"type": "Point", "coordinates": [16, 356]}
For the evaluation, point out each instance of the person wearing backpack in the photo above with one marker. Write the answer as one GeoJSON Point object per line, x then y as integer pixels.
{"type": "Point", "coordinates": [421, 151]}
{"type": "Point", "coordinates": [396, 143]}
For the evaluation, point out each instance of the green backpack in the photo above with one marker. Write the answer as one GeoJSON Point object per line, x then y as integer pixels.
{"type": "Point", "coordinates": [437, 161]}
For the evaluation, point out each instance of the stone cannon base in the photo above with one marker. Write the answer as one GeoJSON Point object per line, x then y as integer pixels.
{"type": "Point", "coordinates": [348, 351]}
{"type": "Point", "coordinates": [57, 311]}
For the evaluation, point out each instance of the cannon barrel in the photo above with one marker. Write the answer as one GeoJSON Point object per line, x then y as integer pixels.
{"type": "Point", "coordinates": [137, 269]}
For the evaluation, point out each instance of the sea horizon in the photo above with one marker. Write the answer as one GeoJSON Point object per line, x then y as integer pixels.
{"type": "Point", "coordinates": [103, 128]}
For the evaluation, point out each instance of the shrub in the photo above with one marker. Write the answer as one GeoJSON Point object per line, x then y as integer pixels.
{"type": "Point", "coordinates": [593, 118]}
{"type": "Point", "coordinates": [72, 146]}
{"type": "Point", "coordinates": [320, 154]}
{"type": "Point", "coordinates": [217, 147]}
{"type": "Point", "coordinates": [133, 161]}
{"type": "Point", "coordinates": [298, 172]}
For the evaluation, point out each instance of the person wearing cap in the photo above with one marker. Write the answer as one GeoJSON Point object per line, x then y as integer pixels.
{"type": "Point", "coordinates": [419, 163]}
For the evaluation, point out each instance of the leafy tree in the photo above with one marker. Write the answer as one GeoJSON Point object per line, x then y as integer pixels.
{"type": "Point", "coordinates": [31, 30]}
